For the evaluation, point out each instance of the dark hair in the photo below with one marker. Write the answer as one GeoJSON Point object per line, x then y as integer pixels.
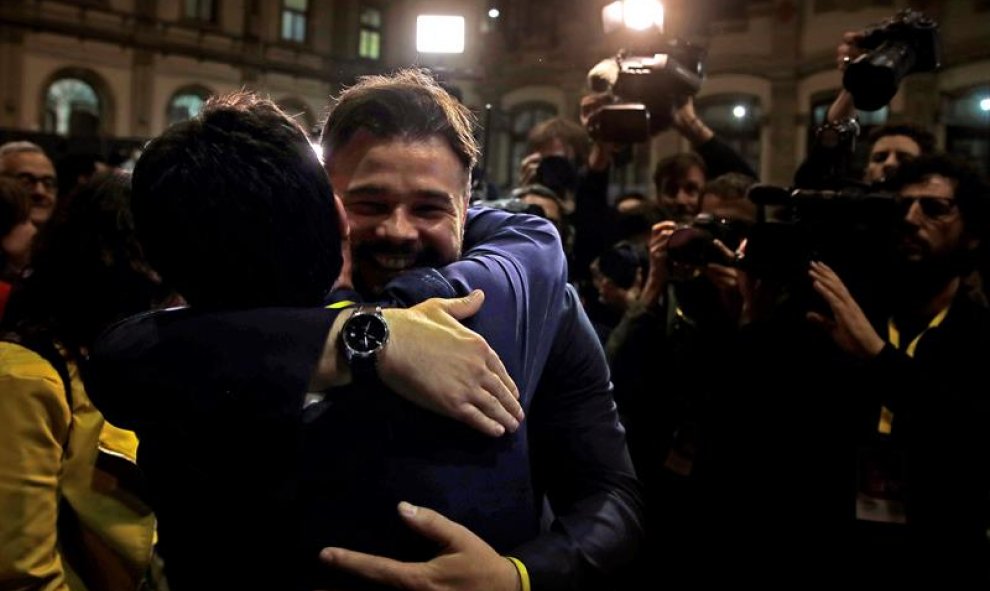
{"type": "Point", "coordinates": [568, 132]}
{"type": "Point", "coordinates": [87, 267]}
{"type": "Point", "coordinates": [15, 205]}
{"type": "Point", "coordinates": [15, 209]}
{"type": "Point", "coordinates": [621, 261]}
{"type": "Point", "coordinates": [730, 186]}
{"type": "Point", "coordinates": [924, 138]}
{"type": "Point", "coordinates": [676, 167]}
{"type": "Point", "coordinates": [235, 210]}
{"type": "Point", "coordinates": [971, 190]}
{"type": "Point", "coordinates": [409, 104]}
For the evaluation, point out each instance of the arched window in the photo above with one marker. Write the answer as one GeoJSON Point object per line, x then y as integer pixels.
{"type": "Point", "coordinates": [300, 111]}
{"type": "Point", "coordinates": [72, 108]}
{"type": "Point", "coordinates": [523, 118]}
{"type": "Point", "coordinates": [186, 103]}
{"type": "Point", "coordinates": [737, 120]}
{"type": "Point", "coordinates": [967, 126]}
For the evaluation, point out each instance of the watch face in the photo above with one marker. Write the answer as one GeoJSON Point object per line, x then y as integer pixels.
{"type": "Point", "coordinates": [365, 333]}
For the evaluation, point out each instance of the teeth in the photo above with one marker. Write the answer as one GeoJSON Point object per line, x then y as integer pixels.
{"type": "Point", "coordinates": [394, 263]}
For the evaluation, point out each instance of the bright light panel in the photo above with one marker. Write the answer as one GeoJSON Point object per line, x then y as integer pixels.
{"type": "Point", "coordinates": [640, 15]}
{"type": "Point", "coordinates": [985, 104]}
{"type": "Point", "coordinates": [439, 34]}
{"type": "Point", "coordinates": [493, 13]}
{"type": "Point", "coordinates": [739, 111]}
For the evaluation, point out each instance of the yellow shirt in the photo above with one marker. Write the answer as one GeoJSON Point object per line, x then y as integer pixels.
{"type": "Point", "coordinates": [69, 517]}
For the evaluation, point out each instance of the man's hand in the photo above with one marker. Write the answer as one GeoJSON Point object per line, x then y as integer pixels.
{"type": "Point", "coordinates": [656, 278]}
{"type": "Point", "coordinates": [726, 282]}
{"type": "Point", "coordinates": [466, 562]}
{"type": "Point", "coordinates": [433, 361]}
{"type": "Point", "coordinates": [848, 50]}
{"type": "Point", "coordinates": [850, 329]}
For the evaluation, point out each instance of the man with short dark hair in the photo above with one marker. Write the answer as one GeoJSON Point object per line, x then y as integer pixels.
{"type": "Point", "coordinates": [893, 145]}
{"type": "Point", "coordinates": [28, 163]}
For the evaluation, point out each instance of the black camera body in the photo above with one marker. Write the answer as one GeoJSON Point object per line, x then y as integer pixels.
{"type": "Point", "coordinates": [647, 89]}
{"type": "Point", "coordinates": [906, 43]}
{"type": "Point", "coordinates": [692, 246]}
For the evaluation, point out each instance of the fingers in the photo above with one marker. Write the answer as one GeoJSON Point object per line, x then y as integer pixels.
{"type": "Point", "coordinates": [461, 308]}
{"type": "Point", "coordinates": [820, 320]}
{"type": "Point", "coordinates": [505, 389]}
{"type": "Point", "coordinates": [472, 416]}
{"type": "Point", "coordinates": [829, 279]}
{"type": "Point", "coordinates": [391, 573]}
{"type": "Point", "coordinates": [497, 403]}
{"type": "Point", "coordinates": [434, 526]}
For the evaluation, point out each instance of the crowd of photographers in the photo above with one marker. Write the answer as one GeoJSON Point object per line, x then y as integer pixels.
{"type": "Point", "coordinates": [803, 362]}
{"type": "Point", "coordinates": [797, 369]}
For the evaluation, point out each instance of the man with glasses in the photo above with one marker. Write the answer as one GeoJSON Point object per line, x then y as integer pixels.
{"type": "Point", "coordinates": [28, 163]}
{"type": "Point", "coordinates": [921, 375]}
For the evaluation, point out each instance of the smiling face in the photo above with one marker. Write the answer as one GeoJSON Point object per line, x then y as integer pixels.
{"type": "Point", "coordinates": [406, 202]}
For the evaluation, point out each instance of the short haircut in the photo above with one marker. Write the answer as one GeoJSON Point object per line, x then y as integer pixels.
{"type": "Point", "coordinates": [568, 132]}
{"type": "Point", "coordinates": [18, 147]}
{"type": "Point", "coordinates": [676, 167]}
{"type": "Point", "coordinates": [15, 205]}
{"type": "Point", "coordinates": [730, 186]}
{"type": "Point", "coordinates": [970, 189]}
{"type": "Point", "coordinates": [409, 105]}
{"type": "Point", "coordinates": [924, 138]}
{"type": "Point", "coordinates": [235, 210]}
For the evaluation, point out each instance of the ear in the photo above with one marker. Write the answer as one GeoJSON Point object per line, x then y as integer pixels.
{"type": "Point", "coordinates": [345, 226]}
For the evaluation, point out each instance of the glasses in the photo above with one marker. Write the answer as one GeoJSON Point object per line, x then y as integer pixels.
{"type": "Point", "coordinates": [932, 207]}
{"type": "Point", "coordinates": [30, 181]}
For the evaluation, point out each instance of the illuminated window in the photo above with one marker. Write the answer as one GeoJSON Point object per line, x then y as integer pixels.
{"type": "Point", "coordinates": [737, 120]}
{"type": "Point", "coordinates": [201, 10]}
{"type": "Point", "coordinates": [186, 103]}
{"type": "Point", "coordinates": [967, 126]}
{"type": "Point", "coordinates": [370, 39]}
{"type": "Point", "coordinates": [294, 14]}
{"type": "Point", "coordinates": [72, 108]}
{"type": "Point", "coordinates": [439, 34]}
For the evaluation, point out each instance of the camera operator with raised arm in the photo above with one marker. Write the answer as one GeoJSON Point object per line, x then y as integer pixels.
{"type": "Point", "coordinates": [873, 62]}
{"type": "Point", "coordinates": [923, 492]}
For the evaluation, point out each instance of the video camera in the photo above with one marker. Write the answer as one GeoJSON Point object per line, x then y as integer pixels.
{"type": "Point", "coordinates": [854, 230]}
{"type": "Point", "coordinates": [646, 89]}
{"type": "Point", "coordinates": [906, 43]}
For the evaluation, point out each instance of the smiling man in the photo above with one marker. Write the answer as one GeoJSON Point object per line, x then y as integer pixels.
{"type": "Point", "coordinates": [399, 151]}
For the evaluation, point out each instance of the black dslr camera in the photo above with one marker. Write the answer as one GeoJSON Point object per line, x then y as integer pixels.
{"type": "Point", "coordinates": [904, 44]}
{"type": "Point", "coordinates": [646, 88]}
{"type": "Point", "coordinates": [692, 246]}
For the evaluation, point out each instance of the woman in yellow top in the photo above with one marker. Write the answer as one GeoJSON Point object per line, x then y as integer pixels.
{"type": "Point", "coordinates": [72, 514]}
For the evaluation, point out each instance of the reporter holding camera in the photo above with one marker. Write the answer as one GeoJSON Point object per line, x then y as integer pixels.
{"type": "Point", "coordinates": [922, 504]}
{"type": "Point", "coordinates": [874, 82]}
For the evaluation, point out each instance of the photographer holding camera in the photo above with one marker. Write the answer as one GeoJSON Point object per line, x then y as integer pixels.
{"type": "Point", "coordinates": [873, 62]}
{"type": "Point", "coordinates": [663, 356]}
{"type": "Point", "coordinates": [920, 364]}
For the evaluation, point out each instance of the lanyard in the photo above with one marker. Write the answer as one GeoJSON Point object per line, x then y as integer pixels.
{"type": "Point", "coordinates": [885, 425]}
{"type": "Point", "coordinates": [894, 335]}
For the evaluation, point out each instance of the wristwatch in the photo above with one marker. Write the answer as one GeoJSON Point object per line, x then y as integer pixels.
{"type": "Point", "coordinates": [363, 337]}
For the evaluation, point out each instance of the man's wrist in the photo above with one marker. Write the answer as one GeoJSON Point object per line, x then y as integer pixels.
{"type": "Point", "coordinates": [524, 584]}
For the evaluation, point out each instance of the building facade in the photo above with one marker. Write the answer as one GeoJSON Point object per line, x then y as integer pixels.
{"type": "Point", "coordinates": [100, 74]}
